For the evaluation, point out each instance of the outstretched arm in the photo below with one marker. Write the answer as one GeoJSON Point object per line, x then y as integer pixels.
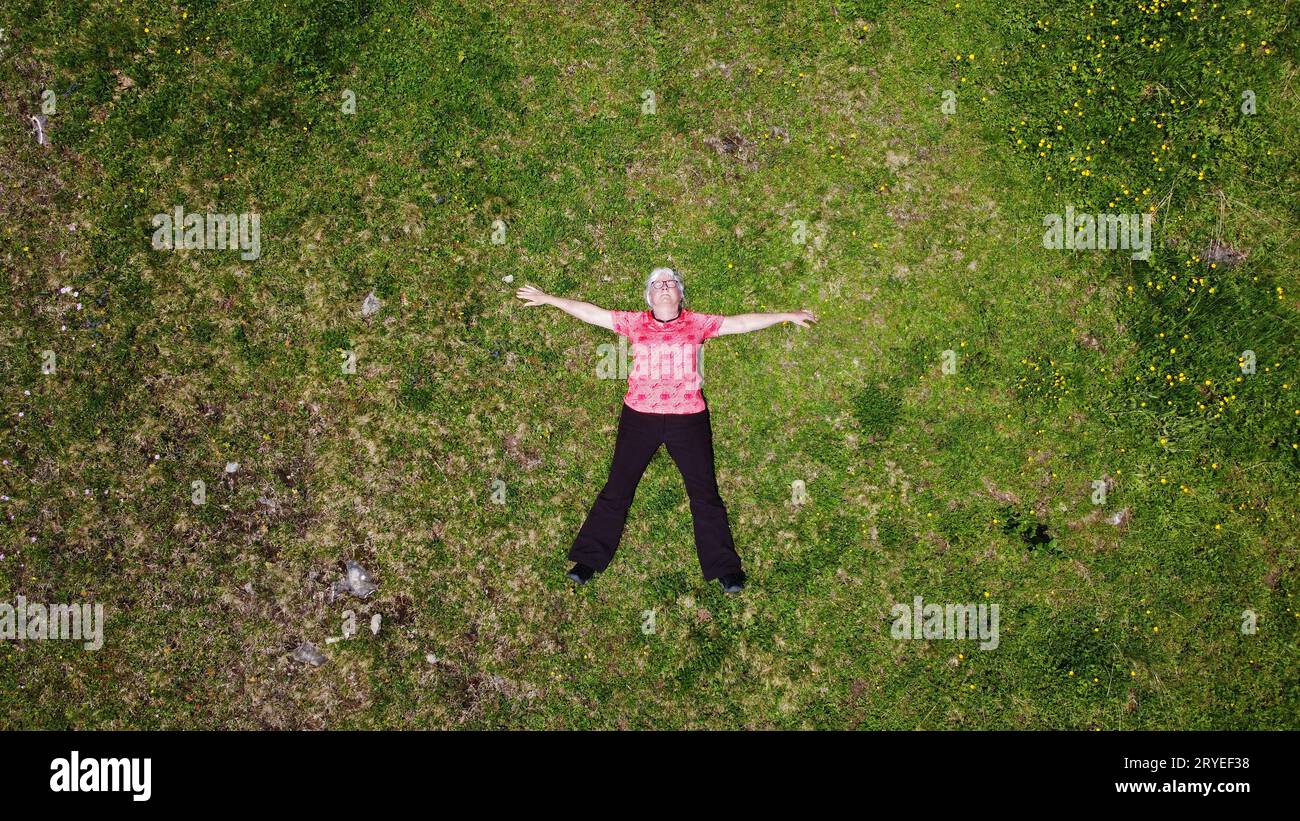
{"type": "Point", "coordinates": [744, 323]}
{"type": "Point", "coordinates": [585, 311]}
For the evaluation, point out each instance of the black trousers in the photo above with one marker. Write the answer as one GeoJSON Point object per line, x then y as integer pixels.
{"type": "Point", "coordinates": [689, 438]}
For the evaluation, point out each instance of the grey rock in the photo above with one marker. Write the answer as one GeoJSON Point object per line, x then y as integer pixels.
{"type": "Point", "coordinates": [308, 654]}
{"type": "Point", "coordinates": [358, 582]}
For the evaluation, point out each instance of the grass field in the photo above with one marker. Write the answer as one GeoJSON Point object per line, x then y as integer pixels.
{"type": "Point", "coordinates": [439, 155]}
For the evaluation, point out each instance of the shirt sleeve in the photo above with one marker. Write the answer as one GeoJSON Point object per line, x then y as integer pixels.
{"type": "Point", "coordinates": [710, 324]}
{"type": "Point", "coordinates": [623, 322]}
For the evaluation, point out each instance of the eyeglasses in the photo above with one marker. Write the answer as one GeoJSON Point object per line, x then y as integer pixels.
{"type": "Point", "coordinates": [664, 284]}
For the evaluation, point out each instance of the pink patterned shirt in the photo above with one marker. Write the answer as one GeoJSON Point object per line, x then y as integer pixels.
{"type": "Point", "coordinates": [665, 375]}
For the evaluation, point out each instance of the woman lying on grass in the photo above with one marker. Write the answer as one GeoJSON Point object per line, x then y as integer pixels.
{"type": "Point", "coordinates": [664, 405]}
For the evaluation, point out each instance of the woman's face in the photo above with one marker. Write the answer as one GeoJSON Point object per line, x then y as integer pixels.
{"type": "Point", "coordinates": [665, 294]}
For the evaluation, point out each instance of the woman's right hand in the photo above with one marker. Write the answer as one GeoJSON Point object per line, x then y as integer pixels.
{"type": "Point", "coordinates": [531, 295]}
{"type": "Point", "coordinates": [801, 318]}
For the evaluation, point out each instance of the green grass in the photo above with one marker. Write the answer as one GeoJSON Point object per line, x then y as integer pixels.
{"type": "Point", "coordinates": [924, 234]}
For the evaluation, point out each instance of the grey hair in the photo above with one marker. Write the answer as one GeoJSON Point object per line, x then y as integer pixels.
{"type": "Point", "coordinates": [681, 286]}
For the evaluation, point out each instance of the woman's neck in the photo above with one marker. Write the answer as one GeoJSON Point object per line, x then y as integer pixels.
{"type": "Point", "coordinates": [655, 313]}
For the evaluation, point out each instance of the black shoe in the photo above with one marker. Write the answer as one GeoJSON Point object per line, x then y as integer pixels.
{"type": "Point", "coordinates": [733, 582]}
{"type": "Point", "coordinates": [580, 573]}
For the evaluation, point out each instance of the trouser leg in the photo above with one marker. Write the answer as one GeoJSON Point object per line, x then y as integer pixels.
{"type": "Point", "coordinates": [690, 443]}
{"type": "Point", "coordinates": [600, 534]}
